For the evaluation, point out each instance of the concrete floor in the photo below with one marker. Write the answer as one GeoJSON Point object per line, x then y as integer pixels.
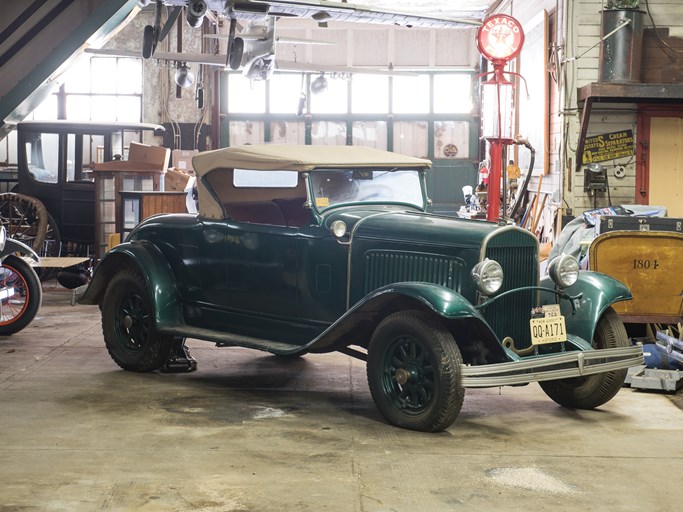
{"type": "Point", "coordinates": [248, 432]}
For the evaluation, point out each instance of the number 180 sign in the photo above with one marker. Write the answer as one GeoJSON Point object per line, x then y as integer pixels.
{"type": "Point", "coordinates": [500, 38]}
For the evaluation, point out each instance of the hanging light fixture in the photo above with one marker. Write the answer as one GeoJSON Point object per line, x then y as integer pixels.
{"type": "Point", "coordinates": [319, 84]}
{"type": "Point", "coordinates": [184, 76]}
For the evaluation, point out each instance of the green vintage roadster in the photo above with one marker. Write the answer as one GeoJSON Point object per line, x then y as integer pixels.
{"type": "Point", "coordinates": [310, 249]}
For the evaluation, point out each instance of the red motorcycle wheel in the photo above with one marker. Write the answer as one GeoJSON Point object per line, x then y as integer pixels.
{"type": "Point", "coordinates": [20, 295]}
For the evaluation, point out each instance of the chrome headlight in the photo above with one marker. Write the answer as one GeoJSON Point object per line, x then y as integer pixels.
{"type": "Point", "coordinates": [338, 228]}
{"type": "Point", "coordinates": [488, 276]}
{"type": "Point", "coordinates": [564, 270]}
{"type": "Point", "coordinates": [3, 238]}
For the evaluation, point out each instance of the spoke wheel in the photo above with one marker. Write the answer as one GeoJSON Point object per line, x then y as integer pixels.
{"type": "Point", "coordinates": [593, 390]}
{"type": "Point", "coordinates": [51, 247]}
{"type": "Point", "coordinates": [128, 325]}
{"type": "Point", "coordinates": [21, 295]}
{"type": "Point", "coordinates": [25, 219]}
{"type": "Point", "coordinates": [414, 372]}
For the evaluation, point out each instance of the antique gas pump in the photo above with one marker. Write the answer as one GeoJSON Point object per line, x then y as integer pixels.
{"type": "Point", "coordinates": [499, 39]}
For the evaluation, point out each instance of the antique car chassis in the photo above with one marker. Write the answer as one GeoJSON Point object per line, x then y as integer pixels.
{"type": "Point", "coordinates": [339, 253]}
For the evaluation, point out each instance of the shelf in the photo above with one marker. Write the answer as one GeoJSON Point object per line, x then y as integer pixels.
{"type": "Point", "coordinates": [621, 93]}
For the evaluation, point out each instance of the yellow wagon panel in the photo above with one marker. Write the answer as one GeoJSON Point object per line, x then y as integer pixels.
{"type": "Point", "coordinates": [650, 263]}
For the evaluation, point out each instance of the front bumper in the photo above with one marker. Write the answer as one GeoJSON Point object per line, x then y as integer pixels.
{"type": "Point", "coordinates": [562, 365]}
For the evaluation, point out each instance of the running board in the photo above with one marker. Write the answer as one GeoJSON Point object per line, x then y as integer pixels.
{"type": "Point", "coordinates": [223, 339]}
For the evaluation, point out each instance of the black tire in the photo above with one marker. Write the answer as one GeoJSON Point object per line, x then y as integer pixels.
{"type": "Point", "coordinates": [593, 390]}
{"type": "Point", "coordinates": [414, 372]}
{"type": "Point", "coordinates": [148, 42]}
{"type": "Point", "coordinates": [236, 53]}
{"type": "Point", "coordinates": [21, 307]}
{"type": "Point", "coordinates": [128, 325]}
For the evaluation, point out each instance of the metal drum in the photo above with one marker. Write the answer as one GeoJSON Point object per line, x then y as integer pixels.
{"type": "Point", "coordinates": [621, 53]}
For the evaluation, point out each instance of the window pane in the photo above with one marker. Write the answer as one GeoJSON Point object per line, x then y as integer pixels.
{"type": "Point", "coordinates": [43, 157]}
{"type": "Point", "coordinates": [411, 95]}
{"type": "Point", "coordinates": [246, 95]}
{"type": "Point", "coordinates": [265, 179]}
{"type": "Point", "coordinates": [77, 79]}
{"type": "Point", "coordinates": [103, 73]}
{"type": "Point", "coordinates": [332, 100]}
{"type": "Point", "coordinates": [78, 108]}
{"type": "Point", "coordinates": [451, 139]}
{"type": "Point", "coordinates": [411, 138]}
{"type": "Point", "coordinates": [246, 132]}
{"type": "Point", "coordinates": [47, 110]}
{"type": "Point", "coordinates": [452, 93]}
{"type": "Point", "coordinates": [11, 140]}
{"type": "Point", "coordinates": [129, 76]}
{"type": "Point", "coordinates": [329, 133]}
{"type": "Point", "coordinates": [93, 151]}
{"type": "Point", "coordinates": [129, 109]}
{"type": "Point", "coordinates": [372, 134]}
{"type": "Point", "coordinates": [4, 149]}
{"type": "Point", "coordinates": [104, 108]}
{"type": "Point", "coordinates": [369, 94]}
{"type": "Point", "coordinates": [287, 132]}
{"type": "Point", "coordinates": [70, 156]}
{"type": "Point", "coordinates": [285, 90]}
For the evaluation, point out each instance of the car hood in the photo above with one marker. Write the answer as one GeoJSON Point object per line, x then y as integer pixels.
{"type": "Point", "coordinates": [412, 226]}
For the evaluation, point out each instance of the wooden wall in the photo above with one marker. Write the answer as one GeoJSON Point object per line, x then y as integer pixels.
{"type": "Point", "coordinates": [658, 65]}
{"type": "Point", "coordinates": [662, 56]}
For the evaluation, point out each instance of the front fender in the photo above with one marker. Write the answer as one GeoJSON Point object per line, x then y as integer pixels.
{"type": "Point", "coordinates": [443, 301]}
{"type": "Point", "coordinates": [153, 267]}
{"type": "Point", "coordinates": [356, 325]}
{"type": "Point", "coordinates": [14, 246]}
{"type": "Point", "coordinates": [597, 292]}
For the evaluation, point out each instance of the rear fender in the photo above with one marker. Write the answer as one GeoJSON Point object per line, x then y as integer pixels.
{"type": "Point", "coordinates": [153, 267]}
{"type": "Point", "coordinates": [597, 293]}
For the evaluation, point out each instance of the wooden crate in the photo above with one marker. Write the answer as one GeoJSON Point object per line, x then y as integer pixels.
{"type": "Point", "coordinates": [649, 263]}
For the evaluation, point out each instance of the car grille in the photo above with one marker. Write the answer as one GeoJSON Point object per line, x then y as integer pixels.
{"type": "Point", "coordinates": [517, 252]}
{"type": "Point", "coordinates": [386, 267]}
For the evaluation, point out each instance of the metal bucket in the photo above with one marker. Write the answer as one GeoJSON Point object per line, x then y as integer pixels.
{"type": "Point", "coordinates": [621, 53]}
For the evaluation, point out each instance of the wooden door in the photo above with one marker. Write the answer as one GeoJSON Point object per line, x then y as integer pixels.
{"type": "Point", "coordinates": [666, 164]}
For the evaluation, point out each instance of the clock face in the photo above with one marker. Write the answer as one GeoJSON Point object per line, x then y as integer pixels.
{"type": "Point", "coordinates": [500, 37]}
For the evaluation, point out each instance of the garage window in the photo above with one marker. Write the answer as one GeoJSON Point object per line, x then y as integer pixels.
{"type": "Point", "coordinates": [104, 89]}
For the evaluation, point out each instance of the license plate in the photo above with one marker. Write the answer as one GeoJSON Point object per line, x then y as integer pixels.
{"type": "Point", "coordinates": [549, 329]}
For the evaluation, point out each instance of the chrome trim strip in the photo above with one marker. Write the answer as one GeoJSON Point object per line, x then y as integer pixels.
{"type": "Point", "coordinates": [496, 232]}
{"type": "Point", "coordinates": [551, 367]}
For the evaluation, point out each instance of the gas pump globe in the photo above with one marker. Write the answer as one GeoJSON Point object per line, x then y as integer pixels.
{"type": "Point", "coordinates": [499, 39]}
{"type": "Point", "coordinates": [497, 102]}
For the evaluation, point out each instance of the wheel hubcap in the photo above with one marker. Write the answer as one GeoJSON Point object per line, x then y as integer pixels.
{"type": "Point", "coordinates": [127, 322]}
{"type": "Point", "coordinates": [402, 376]}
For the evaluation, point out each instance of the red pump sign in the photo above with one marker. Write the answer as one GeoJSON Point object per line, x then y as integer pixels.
{"type": "Point", "coordinates": [500, 37]}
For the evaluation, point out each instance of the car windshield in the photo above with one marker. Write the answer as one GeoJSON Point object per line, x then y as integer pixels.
{"type": "Point", "coordinates": [344, 186]}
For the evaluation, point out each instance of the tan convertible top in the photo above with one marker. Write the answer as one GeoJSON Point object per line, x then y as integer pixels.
{"type": "Point", "coordinates": [300, 158]}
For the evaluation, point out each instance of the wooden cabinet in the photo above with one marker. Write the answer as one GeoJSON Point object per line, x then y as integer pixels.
{"type": "Point", "coordinates": [143, 171]}
{"type": "Point", "coordinates": [138, 205]}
